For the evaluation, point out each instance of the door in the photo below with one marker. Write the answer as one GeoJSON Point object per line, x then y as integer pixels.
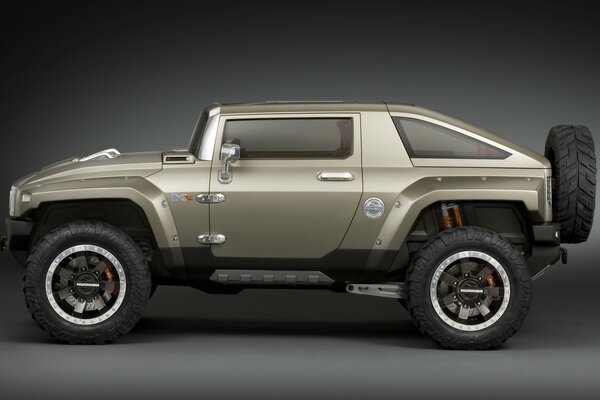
{"type": "Point", "coordinates": [293, 192]}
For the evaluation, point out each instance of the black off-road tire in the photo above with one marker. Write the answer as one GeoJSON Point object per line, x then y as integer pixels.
{"type": "Point", "coordinates": [128, 253]}
{"type": "Point", "coordinates": [420, 275]}
{"type": "Point", "coordinates": [570, 150]}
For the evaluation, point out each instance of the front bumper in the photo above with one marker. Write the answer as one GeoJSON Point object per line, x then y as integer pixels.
{"type": "Point", "coordinates": [17, 237]}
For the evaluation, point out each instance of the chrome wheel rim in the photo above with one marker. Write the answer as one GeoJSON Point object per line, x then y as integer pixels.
{"type": "Point", "coordinates": [470, 290]}
{"type": "Point", "coordinates": [85, 284]}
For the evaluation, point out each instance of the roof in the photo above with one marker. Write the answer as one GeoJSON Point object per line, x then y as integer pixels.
{"type": "Point", "coordinates": [302, 106]}
{"type": "Point", "coordinates": [357, 106]}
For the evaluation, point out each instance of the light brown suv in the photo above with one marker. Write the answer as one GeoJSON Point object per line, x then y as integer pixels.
{"type": "Point", "coordinates": [373, 199]}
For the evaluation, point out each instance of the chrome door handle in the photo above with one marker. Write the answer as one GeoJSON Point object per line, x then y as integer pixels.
{"type": "Point", "coordinates": [335, 176]}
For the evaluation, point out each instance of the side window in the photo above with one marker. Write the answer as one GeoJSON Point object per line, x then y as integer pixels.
{"type": "Point", "coordinates": [426, 140]}
{"type": "Point", "coordinates": [291, 137]}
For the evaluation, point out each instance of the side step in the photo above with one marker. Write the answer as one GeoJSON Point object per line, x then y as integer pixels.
{"type": "Point", "coordinates": [395, 290]}
{"type": "Point", "coordinates": [261, 277]}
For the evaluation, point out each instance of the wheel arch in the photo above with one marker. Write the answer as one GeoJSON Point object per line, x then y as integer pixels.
{"type": "Point", "coordinates": [137, 190]}
{"type": "Point", "coordinates": [122, 213]}
{"type": "Point", "coordinates": [134, 196]}
{"type": "Point", "coordinates": [510, 219]}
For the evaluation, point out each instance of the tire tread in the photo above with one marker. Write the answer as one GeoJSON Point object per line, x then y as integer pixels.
{"type": "Point", "coordinates": [571, 148]}
{"type": "Point", "coordinates": [418, 278]}
{"type": "Point", "coordinates": [138, 285]}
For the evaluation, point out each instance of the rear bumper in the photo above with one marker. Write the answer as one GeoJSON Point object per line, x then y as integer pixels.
{"type": "Point", "coordinates": [547, 234]}
{"type": "Point", "coordinates": [17, 238]}
{"type": "Point", "coordinates": [545, 249]}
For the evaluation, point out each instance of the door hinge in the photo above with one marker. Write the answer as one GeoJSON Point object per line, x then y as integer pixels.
{"type": "Point", "coordinates": [211, 239]}
{"type": "Point", "coordinates": [206, 198]}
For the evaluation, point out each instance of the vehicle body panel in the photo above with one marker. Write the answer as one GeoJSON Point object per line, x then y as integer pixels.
{"type": "Point", "coordinates": [276, 214]}
{"type": "Point", "coordinates": [136, 189]}
{"type": "Point", "coordinates": [127, 164]}
{"type": "Point", "coordinates": [278, 208]}
{"type": "Point", "coordinates": [181, 184]}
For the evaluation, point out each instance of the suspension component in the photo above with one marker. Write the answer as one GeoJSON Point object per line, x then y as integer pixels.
{"type": "Point", "coordinates": [447, 219]}
{"type": "Point", "coordinates": [396, 290]}
{"type": "Point", "coordinates": [451, 216]}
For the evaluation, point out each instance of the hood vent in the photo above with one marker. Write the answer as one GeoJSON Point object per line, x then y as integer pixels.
{"type": "Point", "coordinates": [104, 154]}
{"type": "Point", "coordinates": [178, 157]}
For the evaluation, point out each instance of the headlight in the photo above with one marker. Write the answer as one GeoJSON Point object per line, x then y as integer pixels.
{"type": "Point", "coordinates": [12, 198]}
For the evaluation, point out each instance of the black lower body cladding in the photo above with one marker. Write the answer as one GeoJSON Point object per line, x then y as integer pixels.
{"type": "Point", "coordinates": [570, 149]}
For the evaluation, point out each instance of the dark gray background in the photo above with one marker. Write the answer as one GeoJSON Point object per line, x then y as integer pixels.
{"type": "Point", "coordinates": [78, 77]}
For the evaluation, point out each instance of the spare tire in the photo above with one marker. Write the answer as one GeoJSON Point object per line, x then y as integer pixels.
{"type": "Point", "coordinates": [570, 150]}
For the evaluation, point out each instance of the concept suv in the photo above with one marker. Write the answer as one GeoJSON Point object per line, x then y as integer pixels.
{"type": "Point", "coordinates": [366, 198]}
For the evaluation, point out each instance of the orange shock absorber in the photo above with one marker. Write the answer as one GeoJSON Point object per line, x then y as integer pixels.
{"type": "Point", "coordinates": [451, 216]}
{"type": "Point", "coordinates": [457, 215]}
{"type": "Point", "coordinates": [447, 218]}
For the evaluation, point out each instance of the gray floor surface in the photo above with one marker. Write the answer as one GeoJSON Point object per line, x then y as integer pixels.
{"type": "Point", "coordinates": [301, 344]}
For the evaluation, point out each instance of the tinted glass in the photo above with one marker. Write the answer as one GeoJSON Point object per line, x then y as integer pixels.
{"type": "Point", "coordinates": [426, 140]}
{"type": "Point", "coordinates": [291, 137]}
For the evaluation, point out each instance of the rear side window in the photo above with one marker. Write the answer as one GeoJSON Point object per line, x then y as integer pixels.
{"type": "Point", "coordinates": [426, 140]}
{"type": "Point", "coordinates": [291, 137]}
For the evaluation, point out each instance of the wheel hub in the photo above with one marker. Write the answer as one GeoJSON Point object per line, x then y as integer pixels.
{"type": "Point", "coordinates": [86, 285]}
{"type": "Point", "coordinates": [470, 291]}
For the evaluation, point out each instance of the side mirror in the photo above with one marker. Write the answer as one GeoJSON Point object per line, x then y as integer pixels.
{"type": "Point", "coordinates": [230, 153]}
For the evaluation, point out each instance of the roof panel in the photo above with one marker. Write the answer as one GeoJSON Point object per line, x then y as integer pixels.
{"type": "Point", "coordinates": [301, 106]}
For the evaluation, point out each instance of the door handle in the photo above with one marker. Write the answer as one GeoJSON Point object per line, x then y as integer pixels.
{"type": "Point", "coordinates": [335, 176]}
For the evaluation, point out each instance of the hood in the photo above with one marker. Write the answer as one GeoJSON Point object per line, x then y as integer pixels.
{"type": "Point", "coordinates": [107, 163]}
